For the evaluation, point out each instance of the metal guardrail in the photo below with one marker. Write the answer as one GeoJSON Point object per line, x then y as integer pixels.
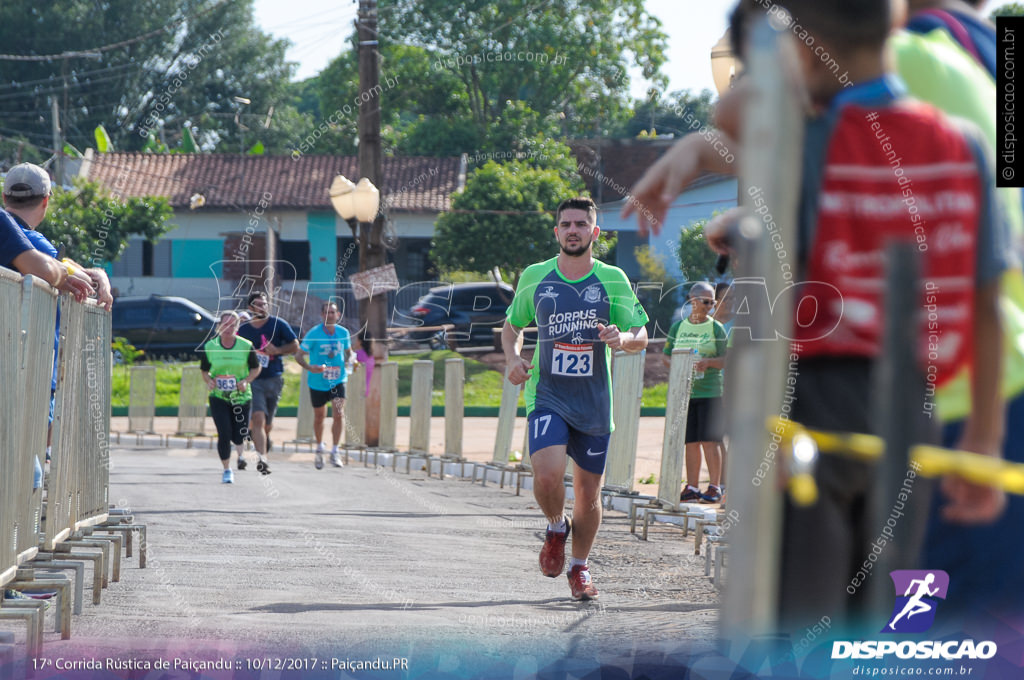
{"type": "Point", "coordinates": [28, 307]}
{"type": "Point", "coordinates": [355, 409]}
{"type": "Point", "coordinates": [304, 415]}
{"type": "Point", "coordinates": [673, 449]}
{"type": "Point", "coordinates": [627, 391]}
{"type": "Point", "coordinates": [142, 399]}
{"type": "Point", "coordinates": [76, 491]}
{"type": "Point", "coordinates": [388, 372]}
{"type": "Point", "coordinates": [78, 488]}
{"type": "Point", "coordinates": [454, 407]}
{"type": "Point", "coordinates": [192, 401]}
{"type": "Point", "coordinates": [420, 406]}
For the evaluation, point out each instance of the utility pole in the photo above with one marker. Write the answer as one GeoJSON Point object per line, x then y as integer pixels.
{"type": "Point", "coordinates": [58, 143]}
{"type": "Point", "coordinates": [373, 310]}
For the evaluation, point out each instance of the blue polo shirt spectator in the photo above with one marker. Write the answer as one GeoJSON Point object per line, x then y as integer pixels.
{"type": "Point", "coordinates": [12, 241]}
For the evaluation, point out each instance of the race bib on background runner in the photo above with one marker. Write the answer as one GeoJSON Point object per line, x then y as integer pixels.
{"type": "Point", "coordinates": [263, 359]}
{"type": "Point", "coordinates": [574, 361]}
{"type": "Point", "coordinates": [226, 383]}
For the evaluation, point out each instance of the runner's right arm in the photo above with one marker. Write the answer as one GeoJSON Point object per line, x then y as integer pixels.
{"type": "Point", "coordinates": [518, 368]}
{"type": "Point", "coordinates": [204, 369]}
{"type": "Point", "coordinates": [300, 359]}
{"type": "Point", "coordinates": [301, 355]}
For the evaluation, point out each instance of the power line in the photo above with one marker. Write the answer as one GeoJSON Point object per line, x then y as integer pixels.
{"type": "Point", "coordinates": [74, 74]}
{"type": "Point", "coordinates": [60, 89]}
{"type": "Point", "coordinates": [112, 46]}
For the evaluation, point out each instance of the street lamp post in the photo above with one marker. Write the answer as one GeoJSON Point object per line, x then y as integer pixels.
{"type": "Point", "coordinates": [724, 64]}
{"type": "Point", "coordinates": [359, 205]}
{"type": "Point", "coordinates": [241, 101]}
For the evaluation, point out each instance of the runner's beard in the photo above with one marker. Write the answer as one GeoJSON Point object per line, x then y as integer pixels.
{"type": "Point", "coordinates": [579, 250]}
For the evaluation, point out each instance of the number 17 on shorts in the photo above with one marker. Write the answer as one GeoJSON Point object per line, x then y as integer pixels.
{"type": "Point", "coordinates": [547, 428]}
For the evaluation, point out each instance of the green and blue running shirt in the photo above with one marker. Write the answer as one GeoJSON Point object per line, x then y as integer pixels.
{"type": "Point", "coordinates": [572, 374]}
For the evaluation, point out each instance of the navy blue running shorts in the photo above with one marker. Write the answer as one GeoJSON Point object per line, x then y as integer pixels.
{"type": "Point", "coordinates": [547, 428]}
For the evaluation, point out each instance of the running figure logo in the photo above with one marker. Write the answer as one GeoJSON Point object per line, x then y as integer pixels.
{"type": "Point", "coordinates": [917, 594]}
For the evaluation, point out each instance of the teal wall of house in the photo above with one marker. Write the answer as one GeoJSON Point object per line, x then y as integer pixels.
{"type": "Point", "coordinates": [191, 258]}
{"type": "Point", "coordinates": [323, 248]}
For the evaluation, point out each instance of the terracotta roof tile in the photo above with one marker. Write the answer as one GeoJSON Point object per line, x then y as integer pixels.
{"type": "Point", "coordinates": [611, 167]}
{"type": "Point", "coordinates": [235, 181]}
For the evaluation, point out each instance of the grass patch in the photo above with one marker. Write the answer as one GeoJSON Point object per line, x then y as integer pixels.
{"type": "Point", "coordinates": [482, 386]}
{"type": "Point", "coordinates": [168, 382]}
{"type": "Point", "coordinates": [655, 396]}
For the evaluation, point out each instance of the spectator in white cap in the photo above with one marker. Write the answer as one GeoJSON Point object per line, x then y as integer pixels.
{"type": "Point", "coordinates": [705, 425]}
{"type": "Point", "coordinates": [26, 197]}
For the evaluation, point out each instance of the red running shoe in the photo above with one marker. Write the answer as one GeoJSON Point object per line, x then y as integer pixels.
{"type": "Point", "coordinates": [580, 584]}
{"type": "Point", "coordinates": [552, 555]}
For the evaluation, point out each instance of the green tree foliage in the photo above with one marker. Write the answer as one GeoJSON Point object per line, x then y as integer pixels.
{"type": "Point", "coordinates": [471, 239]}
{"type": "Point", "coordinates": [681, 113]}
{"type": "Point", "coordinates": [483, 76]}
{"type": "Point", "coordinates": [423, 112]}
{"type": "Point", "coordinates": [195, 56]}
{"type": "Point", "coordinates": [94, 227]}
{"type": "Point", "coordinates": [696, 259]}
{"type": "Point", "coordinates": [1013, 9]}
{"type": "Point", "coordinates": [657, 291]}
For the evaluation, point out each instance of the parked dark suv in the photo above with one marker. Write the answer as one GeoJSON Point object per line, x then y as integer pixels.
{"type": "Point", "coordinates": [162, 326]}
{"type": "Point", "coordinates": [475, 309]}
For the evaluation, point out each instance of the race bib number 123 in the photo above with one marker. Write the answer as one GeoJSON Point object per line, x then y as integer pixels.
{"type": "Point", "coordinates": [576, 361]}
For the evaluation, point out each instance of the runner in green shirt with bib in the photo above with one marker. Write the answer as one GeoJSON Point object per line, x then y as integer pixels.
{"type": "Point", "coordinates": [229, 365]}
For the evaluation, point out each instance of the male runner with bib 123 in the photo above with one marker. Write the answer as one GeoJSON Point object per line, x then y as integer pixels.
{"type": "Point", "coordinates": [580, 306]}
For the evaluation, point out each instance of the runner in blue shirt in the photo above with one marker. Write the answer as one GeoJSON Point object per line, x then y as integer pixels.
{"type": "Point", "coordinates": [272, 338]}
{"type": "Point", "coordinates": [328, 347]}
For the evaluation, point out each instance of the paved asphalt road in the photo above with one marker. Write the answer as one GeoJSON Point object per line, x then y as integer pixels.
{"type": "Point", "coordinates": [358, 563]}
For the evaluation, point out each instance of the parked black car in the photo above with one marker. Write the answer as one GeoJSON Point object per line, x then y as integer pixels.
{"type": "Point", "coordinates": [162, 326]}
{"type": "Point", "coordinates": [475, 309]}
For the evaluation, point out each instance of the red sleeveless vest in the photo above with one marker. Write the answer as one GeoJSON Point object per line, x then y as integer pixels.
{"type": "Point", "coordinates": [900, 173]}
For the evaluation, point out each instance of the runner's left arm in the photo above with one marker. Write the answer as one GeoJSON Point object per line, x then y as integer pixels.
{"type": "Point", "coordinates": [626, 312]}
{"type": "Point", "coordinates": [254, 368]}
{"type": "Point", "coordinates": [721, 346]}
{"type": "Point", "coordinates": [633, 340]}
{"type": "Point", "coordinates": [283, 342]}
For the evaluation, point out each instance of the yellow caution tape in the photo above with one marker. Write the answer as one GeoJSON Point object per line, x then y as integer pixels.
{"type": "Point", "coordinates": [864, 446]}
{"type": "Point", "coordinates": [928, 461]}
{"type": "Point", "coordinates": [803, 490]}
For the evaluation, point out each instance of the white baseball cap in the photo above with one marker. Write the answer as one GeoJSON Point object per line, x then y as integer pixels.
{"type": "Point", "coordinates": [26, 180]}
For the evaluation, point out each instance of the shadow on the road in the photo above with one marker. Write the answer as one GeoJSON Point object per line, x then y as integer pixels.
{"type": "Point", "coordinates": [397, 514]}
{"type": "Point", "coordinates": [190, 511]}
{"type": "Point", "coordinates": [563, 603]}
{"type": "Point", "coordinates": [302, 607]}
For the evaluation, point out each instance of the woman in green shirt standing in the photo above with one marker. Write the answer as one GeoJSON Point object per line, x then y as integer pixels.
{"type": "Point", "coordinates": [705, 424]}
{"type": "Point", "coordinates": [229, 365]}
